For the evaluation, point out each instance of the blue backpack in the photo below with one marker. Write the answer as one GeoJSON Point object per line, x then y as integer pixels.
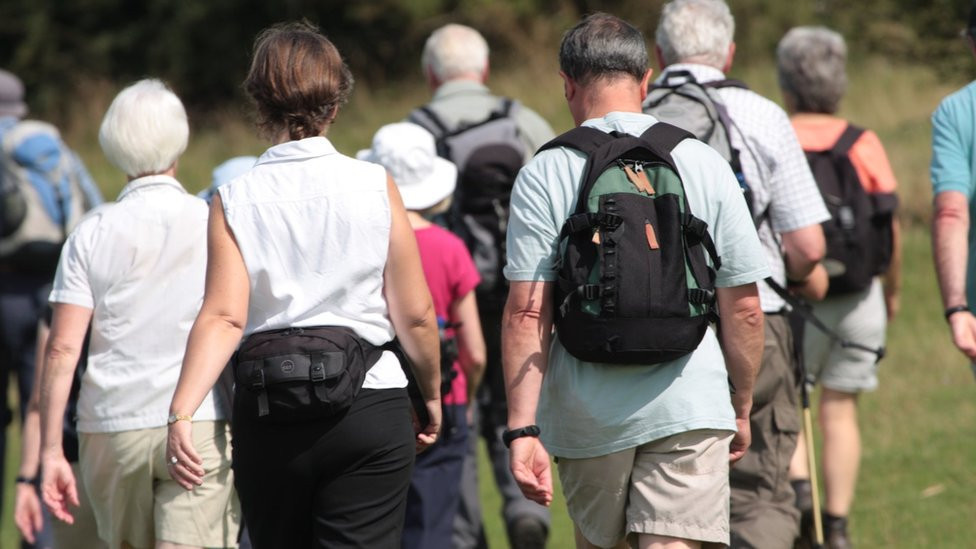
{"type": "Point", "coordinates": [44, 191]}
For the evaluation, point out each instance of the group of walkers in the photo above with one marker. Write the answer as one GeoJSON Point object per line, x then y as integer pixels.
{"type": "Point", "coordinates": [311, 361]}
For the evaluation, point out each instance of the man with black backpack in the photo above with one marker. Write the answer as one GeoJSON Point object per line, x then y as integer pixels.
{"type": "Point", "coordinates": [44, 191]}
{"type": "Point", "coordinates": [695, 43]}
{"type": "Point", "coordinates": [489, 138]}
{"type": "Point", "coordinates": [626, 235]}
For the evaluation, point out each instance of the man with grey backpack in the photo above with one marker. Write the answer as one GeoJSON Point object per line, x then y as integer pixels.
{"type": "Point", "coordinates": [44, 191]}
{"type": "Point", "coordinates": [489, 138]}
{"type": "Point", "coordinates": [695, 49]}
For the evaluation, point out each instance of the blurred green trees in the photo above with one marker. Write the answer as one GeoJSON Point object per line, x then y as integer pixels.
{"type": "Point", "coordinates": [202, 46]}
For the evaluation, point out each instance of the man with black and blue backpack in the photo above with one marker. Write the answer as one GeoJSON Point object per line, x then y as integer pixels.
{"type": "Point", "coordinates": [44, 191]}
{"type": "Point", "coordinates": [489, 138]}
{"type": "Point", "coordinates": [631, 238]}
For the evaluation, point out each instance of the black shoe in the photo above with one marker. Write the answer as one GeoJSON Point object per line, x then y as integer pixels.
{"type": "Point", "coordinates": [835, 532]}
{"type": "Point", "coordinates": [804, 502]}
{"type": "Point", "coordinates": [528, 533]}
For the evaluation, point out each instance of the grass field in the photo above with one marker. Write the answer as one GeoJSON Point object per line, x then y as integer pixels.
{"type": "Point", "coordinates": [916, 486]}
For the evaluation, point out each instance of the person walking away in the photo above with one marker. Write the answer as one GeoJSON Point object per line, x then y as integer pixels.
{"type": "Point", "coordinates": [314, 264]}
{"type": "Point", "coordinates": [44, 191]}
{"type": "Point", "coordinates": [489, 138]}
{"type": "Point", "coordinates": [696, 37]}
{"type": "Point", "coordinates": [426, 182]}
{"type": "Point", "coordinates": [812, 77]}
{"type": "Point", "coordinates": [953, 181]}
{"type": "Point", "coordinates": [133, 272]}
{"type": "Point", "coordinates": [643, 445]}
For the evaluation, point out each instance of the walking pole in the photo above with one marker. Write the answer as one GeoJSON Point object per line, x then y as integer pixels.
{"type": "Point", "coordinates": [812, 463]}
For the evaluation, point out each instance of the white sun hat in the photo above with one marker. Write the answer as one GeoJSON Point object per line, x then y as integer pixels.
{"type": "Point", "coordinates": [408, 152]}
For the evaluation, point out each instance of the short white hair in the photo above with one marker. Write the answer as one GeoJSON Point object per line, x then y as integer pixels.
{"type": "Point", "coordinates": [145, 129]}
{"type": "Point", "coordinates": [695, 31]}
{"type": "Point", "coordinates": [453, 51]}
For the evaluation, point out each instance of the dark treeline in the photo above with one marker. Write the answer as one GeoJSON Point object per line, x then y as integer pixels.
{"type": "Point", "coordinates": [202, 47]}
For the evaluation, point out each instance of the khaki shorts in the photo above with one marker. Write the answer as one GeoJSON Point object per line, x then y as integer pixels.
{"type": "Point", "coordinates": [677, 486]}
{"type": "Point", "coordinates": [137, 502]}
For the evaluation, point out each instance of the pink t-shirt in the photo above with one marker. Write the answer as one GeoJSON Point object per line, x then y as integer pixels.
{"type": "Point", "coordinates": [450, 274]}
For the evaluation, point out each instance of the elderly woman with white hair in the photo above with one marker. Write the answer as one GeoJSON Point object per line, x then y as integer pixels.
{"type": "Point", "coordinates": [133, 271]}
{"type": "Point", "coordinates": [810, 63]}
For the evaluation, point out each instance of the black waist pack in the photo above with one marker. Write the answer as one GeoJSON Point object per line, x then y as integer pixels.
{"type": "Point", "coordinates": [300, 374]}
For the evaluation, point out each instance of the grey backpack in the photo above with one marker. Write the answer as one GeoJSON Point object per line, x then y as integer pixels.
{"type": "Point", "coordinates": [488, 155]}
{"type": "Point", "coordinates": [684, 102]}
{"type": "Point", "coordinates": [41, 195]}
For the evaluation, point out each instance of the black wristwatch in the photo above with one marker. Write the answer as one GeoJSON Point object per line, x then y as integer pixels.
{"type": "Point", "coordinates": [26, 480]}
{"type": "Point", "coordinates": [954, 309]}
{"type": "Point", "coordinates": [527, 431]}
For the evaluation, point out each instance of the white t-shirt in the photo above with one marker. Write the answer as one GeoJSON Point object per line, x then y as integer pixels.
{"type": "Point", "coordinates": [588, 409]}
{"type": "Point", "coordinates": [313, 227]}
{"type": "Point", "coordinates": [139, 264]}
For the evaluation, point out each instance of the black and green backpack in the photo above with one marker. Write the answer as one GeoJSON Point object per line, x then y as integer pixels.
{"type": "Point", "coordinates": [634, 285]}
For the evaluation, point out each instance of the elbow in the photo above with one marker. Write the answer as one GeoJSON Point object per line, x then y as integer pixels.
{"type": "Point", "coordinates": [752, 317]}
{"type": "Point", "coordinates": [949, 214]}
{"type": "Point", "coordinates": [60, 351]}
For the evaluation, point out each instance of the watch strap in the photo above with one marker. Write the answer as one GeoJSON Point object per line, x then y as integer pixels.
{"type": "Point", "coordinates": [954, 309]}
{"type": "Point", "coordinates": [527, 431]}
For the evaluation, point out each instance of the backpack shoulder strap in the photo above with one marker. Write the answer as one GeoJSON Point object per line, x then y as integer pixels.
{"type": "Point", "coordinates": [727, 83]}
{"type": "Point", "coordinates": [662, 138]}
{"type": "Point", "coordinates": [582, 138]}
{"type": "Point", "coordinates": [424, 116]}
{"type": "Point", "coordinates": [847, 139]}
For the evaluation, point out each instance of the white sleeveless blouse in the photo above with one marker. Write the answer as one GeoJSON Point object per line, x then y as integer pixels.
{"type": "Point", "coordinates": [313, 227]}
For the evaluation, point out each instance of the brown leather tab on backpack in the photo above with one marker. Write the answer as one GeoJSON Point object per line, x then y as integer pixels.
{"type": "Point", "coordinates": [648, 188]}
{"type": "Point", "coordinates": [651, 236]}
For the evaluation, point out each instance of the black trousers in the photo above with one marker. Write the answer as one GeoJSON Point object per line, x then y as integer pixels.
{"type": "Point", "coordinates": [334, 483]}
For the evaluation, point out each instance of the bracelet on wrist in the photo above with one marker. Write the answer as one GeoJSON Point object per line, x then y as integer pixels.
{"type": "Point", "coordinates": [173, 418]}
{"type": "Point", "coordinates": [527, 431]}
{"type": "Point", "coordinates": [954, 309]}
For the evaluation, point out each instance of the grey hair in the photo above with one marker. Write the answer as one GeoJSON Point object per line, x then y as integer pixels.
{"type": "Point", "coordinates": [603, 46]}
{"type": "Point", "coordinates": [453, 51]}
{"type": "Point", "coordinates": [810, 64]}
{"type": "Point", "coordinates": [145, 129]}
{"type": "Point", "coordinates": [695, 31]}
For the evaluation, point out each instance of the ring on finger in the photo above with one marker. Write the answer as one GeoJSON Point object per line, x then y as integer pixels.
{"type": "Point", "coordinates": [173, 460]}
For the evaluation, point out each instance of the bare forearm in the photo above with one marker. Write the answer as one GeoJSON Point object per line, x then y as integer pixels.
{"type": "Point", "coordinates": [30, 444]}
{"type": "Point", "coordinates": [56, 381]}
{"type": "Point", "coordinates": [526, 335]}
{"type": "Point", "coordinates": [950, 247]}
{"type": "Point", "coordinates": [209, 347]}
{"type": "Point", "coordinates": [892, 277]}
{"type": "Point", "coordinates": [421, 343]}
{"type": "Point", "coordinates": [742, 343]}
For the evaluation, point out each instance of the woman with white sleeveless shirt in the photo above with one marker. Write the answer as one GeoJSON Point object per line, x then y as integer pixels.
{"type": "Point", "coordinates": [310, 237]}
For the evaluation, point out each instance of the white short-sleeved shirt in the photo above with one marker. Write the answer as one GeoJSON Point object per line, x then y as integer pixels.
{"type": "Point", "coordinates": [774, 166]}
{"type": "Point", "coordinates": [587, 409]}
{"type": "Point", "coordinates": [313, 227]}
{"type": "Point", "coordinates": [139, 264]}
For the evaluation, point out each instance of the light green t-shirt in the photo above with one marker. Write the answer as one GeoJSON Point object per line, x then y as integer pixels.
{"type": "Point", "coordinates": [587, 409]}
